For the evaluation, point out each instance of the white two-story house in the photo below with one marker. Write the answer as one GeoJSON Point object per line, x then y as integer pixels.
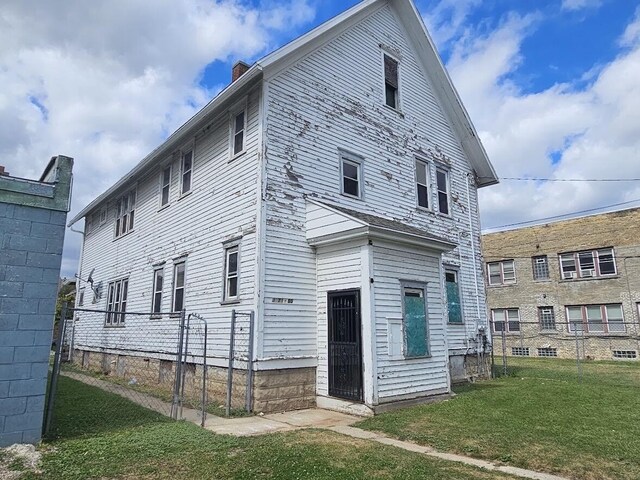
{"type": "Point", "coordinates": [331, 188]}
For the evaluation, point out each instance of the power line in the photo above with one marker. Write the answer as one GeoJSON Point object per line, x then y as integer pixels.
{"type": "Point", "coordinates": [539, 179]}
{"type": "Point", "coordinates": [564, 215]}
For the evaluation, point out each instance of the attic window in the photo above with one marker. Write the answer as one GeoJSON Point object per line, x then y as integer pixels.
{"type": "Point", "coordinates": [187, 167]}
{"type": "Point", "coordinates": [239, 127]}
{"type": "Point", "coordinates": [390, 81]}
{"type": "Point", "coordinates": [165, 185]}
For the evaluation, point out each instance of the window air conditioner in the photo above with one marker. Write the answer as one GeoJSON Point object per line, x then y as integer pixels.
{"type": "Point", "coordinates": [587, 273]}
{"type": "Point", "coordinates": [568, 275]}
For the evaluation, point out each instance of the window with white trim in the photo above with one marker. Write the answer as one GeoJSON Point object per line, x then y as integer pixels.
{"type": "Point", "coordinates": [117, 294]}
{"type": "Point", "coordinates": [501, 273]}
{"type": "Point", "coordinates": [547, 318]}
{"type": "Point", "coordinates": [165, 185]}
{"type": "Point", "coordinates": [391, 83]}
{"type": "Point", "coordinates": [442, 184]}
{"type": "Point", "coordinates": [351, 173]}
{"type": "Point", "coordinates": [81, 297]}
{"type": "Point", "coordinates": [239, 126]}
{"type": "Point", "coordinates": [179, 271]}
{"type": "Point", "coordinates": [231, 273]}
{"type": "Point", "coordinates": [587, 264]}
{"type": "Point", "coordinates": [125, 211]}
{"type": "Point", "coordinates": [596, 318]}
{"type": "Point", "coordinates": [507, 319]}
{"type": "Point", "coordinates": [540, 265]}
{"type": "Point", "coordinates": [422, 183]}
{"type": "Point", "coordinates": [158, 284]}
{"type": "Point", "coordinates": [186, 172]}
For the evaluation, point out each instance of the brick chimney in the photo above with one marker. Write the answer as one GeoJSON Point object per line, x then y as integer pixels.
{"type": "Point", "coordinates": [2, 172]}
{"type": "Point", "coordinates": [239, 69]}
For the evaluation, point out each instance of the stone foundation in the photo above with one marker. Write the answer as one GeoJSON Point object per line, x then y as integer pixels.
{"type": "Point", "coordinates": [564, 346]}
{"type": "Point", "coordinates": [273, 390]}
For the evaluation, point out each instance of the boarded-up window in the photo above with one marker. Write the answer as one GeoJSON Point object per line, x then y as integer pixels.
{"type": "Point", "coordinates": [453, 296]}
{"type": "Point", "coordinates": [390, 81]}
{"type": "Point", "coordinates": [416, 334]}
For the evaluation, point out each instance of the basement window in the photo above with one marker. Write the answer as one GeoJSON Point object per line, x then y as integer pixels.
{"type": "Point", "coordinates": [625, 354]}
{"type": "Point", "coordinates": [520, 351]}
{"type": "Point", "coordinates": [390, 82]}
{"type": "Point", "coordinates": [547, 352]}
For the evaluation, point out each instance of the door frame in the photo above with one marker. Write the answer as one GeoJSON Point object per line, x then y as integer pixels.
{"type": "Point", "coordinates": [330, 376]}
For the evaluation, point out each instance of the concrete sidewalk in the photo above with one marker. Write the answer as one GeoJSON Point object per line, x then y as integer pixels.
{"type": "Point", "coordinates": [342, 423]}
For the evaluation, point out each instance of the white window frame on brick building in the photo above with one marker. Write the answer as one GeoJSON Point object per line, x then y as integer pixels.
{"type": "Point", "coordinates": [117, 298]}
{"type": "Point", "coordinates": [606, 318]}
{"type": "Point", "coordinates": [507, 275]}
{"type": "Point", "coordinates": [125, 213]}
{"type": "Point", "coordinates": [540, 266]}
{"type": "Point", "coordinates": [588, 264]}
{"type": "Point", "coordinates": [506, 317]}
{"type": "Point", "coordinates": [547, 318]}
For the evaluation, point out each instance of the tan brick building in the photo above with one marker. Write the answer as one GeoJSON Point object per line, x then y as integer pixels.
{"type": "Point", "coordinates": [548, 283]}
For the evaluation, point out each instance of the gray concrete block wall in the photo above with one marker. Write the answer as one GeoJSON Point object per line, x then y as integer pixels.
{"type": "Point", "coordinates": [31, 239]}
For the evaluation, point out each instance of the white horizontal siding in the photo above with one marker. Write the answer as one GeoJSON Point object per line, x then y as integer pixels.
{"type": "Point", "coordinates": [333, 99]}
{"type": "Point", "coordinates": [322, 221]}
{"type": "Point", "coordinates": [221, 206]}
{"type": "Point", "coordinates": [339, 268]}
{"type": "Point", "coordinates": [391, 265]}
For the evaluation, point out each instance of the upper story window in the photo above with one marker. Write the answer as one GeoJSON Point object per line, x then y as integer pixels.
{"type": "Point", "coordinates": [587, 264]}
{"type": "Point", "coordinates": [390, 81]}
{"type": "Point", "coordinates": [117, 294]}
{"type": "Point", "coordinates": [506, 319]}
{"type": "Point", "coordinates": [165, 185]}
{"type": "Point", "coordinates": [81, 297]}
{"type": "Point", "coordinates": [103, 216]}
{"type": "Point", "coordinates": [231, 273]}
{"type": "Point", "coordinates": [238, 127]}
{"type": "Point", "coordinates": [158, 283]}
{"type": "Point", "coordinates": [351, 173]}
{"type": "Point", "coordinates": [125, 211]}
{"type": "Point", "coordinates": [501, 273]}
{"type": "Point", "coordinates": [442, 183]}
{"type": "Point", "coordinates": [186, 170]}
{"type": "Point", "coordinates": [540, 265]}
{"type": "Point", "coordinates": [596, 318]}
{"type": "Point", "coordinates": [422, 183]}
{"type": "Point", "coordinates": [178, 286]}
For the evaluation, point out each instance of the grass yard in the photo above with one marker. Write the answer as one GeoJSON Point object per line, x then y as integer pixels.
{"type": "Point", "coordinates": [101, 435]}
{"type": "Point", "coordinates": [540, 417]}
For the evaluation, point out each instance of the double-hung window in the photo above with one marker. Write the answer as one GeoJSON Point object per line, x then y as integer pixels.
{"type": "Point", "coordinates": [125, 211]}
{"type": "Point", "coordinates": [506, 319]}
{"type": "Point", "coordinates": [231, 273]}
{"type": "Point", "coordinates": [596, 318]}
{"type": "Point", "coordinates": [351, 172]}
{"type": "Point", "coordinates": [587, 264]}
{"type": "Point", "coordinates": [442, 184]}
{"type": "Point", "coordinates": [540, 265]}
{"type": "Point", "coordinates": [501, 273]}
{"type": "Point", "coordinates": [158, 283]}
{"type": "Point", "coordinates": [422, 183]}
{"type": "Point", "coordinates": [391, 82]}
{"type": "Point", "coordinates": [186, 172]}
{"type": "Point", "coordinates": [117, 294]}
{"type": "Point", "coordinates": [238, 128]}
{"type": "Point", "coordinates": [178, 286]}
{"type": "Point", "coordinates": [165, 185]}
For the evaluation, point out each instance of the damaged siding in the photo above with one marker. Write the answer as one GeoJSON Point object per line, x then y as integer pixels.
{"type": "Point", "coordinates": [220, 206]}
{"type": "Point", "coordinates": [333, 99]}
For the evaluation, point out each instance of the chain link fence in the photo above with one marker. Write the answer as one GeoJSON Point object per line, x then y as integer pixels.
{"type": "Point", "coordinates": [160, 361]}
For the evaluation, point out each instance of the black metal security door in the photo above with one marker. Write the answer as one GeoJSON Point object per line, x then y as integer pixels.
{"type": "Point", "coordinates": [345, 345]}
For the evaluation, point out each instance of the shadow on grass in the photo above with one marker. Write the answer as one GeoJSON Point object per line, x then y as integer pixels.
{"type": "Point", "coordinates": [81, 409]}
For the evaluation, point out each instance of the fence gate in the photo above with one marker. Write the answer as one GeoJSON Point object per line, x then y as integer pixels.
{"type": "Point", "coordinates": [155, 360]}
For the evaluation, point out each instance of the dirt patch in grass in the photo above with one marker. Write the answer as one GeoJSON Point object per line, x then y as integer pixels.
{"type": "Point", "coordinates": [18, 460]}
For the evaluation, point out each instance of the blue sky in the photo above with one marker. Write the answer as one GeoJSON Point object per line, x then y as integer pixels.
{"type": "Point", "coordinates": [551, 86]}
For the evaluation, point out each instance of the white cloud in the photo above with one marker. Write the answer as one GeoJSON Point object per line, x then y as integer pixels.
{"type": "Point", "coordinates": [447, 19]}
{"type": "Point", "coordinates": [106, 81]}
{"type": "Point", "coordinates": [595, 129]}
{"type": "Point", "coordinates": [573, 5]}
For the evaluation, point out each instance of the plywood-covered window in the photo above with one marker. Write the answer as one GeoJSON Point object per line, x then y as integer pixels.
{"type": "Point", "coordinates": [414, 321]}
{"type": "Point", "coordinates": [452, 287]}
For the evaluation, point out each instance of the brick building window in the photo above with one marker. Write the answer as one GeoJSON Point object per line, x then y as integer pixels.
{"type": "Point", "coordinates": [625, 354]}
{"type": "Point", "coordinates": [587, 264]}
{"type": "Point", "coordinates": [520, 351]}
{"type": "Point", "coordinates": [507, 319]}
{"type": "Point", "coordinates": [501, 273]}
{"type": "Point", "coordinates": [540, 266]}
{"type": "Point", "coordinates": [547, 352]}
{"type": "Point", "coordinates": [596, 318]}
{"type": "Point", "coordinates": [547, 318]}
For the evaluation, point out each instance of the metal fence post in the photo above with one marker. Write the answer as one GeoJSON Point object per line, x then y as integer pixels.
{"type": "Point", "coordinates": [230, 370]}
{"type": "Point", "coordinates": [204, 376]}
{"type": "Point", "coordinates": [176, 385]}
{"type": "Point", "coordinates": [575, 329]}
{"type": "Point", "coordinates": [504, 350]}
{"type": "Point", "coordinates": [53, 385]}
{"type": "Point", "coordinates": [183, 370]}
{"type": "Point", "coordinates": [249, 392]}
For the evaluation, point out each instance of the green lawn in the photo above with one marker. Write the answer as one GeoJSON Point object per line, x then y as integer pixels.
{"type": "Point", "coordinates": [101, 435]}
{"type": "Point", "coordinates": [540, 417]}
